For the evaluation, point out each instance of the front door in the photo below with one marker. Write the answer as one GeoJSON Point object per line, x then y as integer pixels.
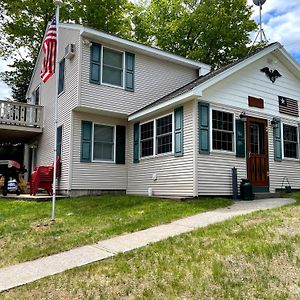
{"type": "Point", "coordinates": [257, 154]}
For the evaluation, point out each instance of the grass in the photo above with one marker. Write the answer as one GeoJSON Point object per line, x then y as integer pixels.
{"type": "Point", "coordinates": [250, 257]}
{"type": "Point", "coordinates": [26, 232]}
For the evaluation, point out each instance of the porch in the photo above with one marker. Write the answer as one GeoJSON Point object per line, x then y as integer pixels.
{"type": "Point", "coordinates": [20, 122]}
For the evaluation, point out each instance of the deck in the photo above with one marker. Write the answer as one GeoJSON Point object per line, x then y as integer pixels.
{"type": "Point", "coordinates": [20, 122]}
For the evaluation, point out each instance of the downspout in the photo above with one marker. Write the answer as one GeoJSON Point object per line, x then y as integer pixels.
{"type": "Point", "coordinates": [195, 148]}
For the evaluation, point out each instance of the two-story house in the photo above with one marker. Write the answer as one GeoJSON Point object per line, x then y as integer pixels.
{"type": "Point", "coordinates": [135, 119]}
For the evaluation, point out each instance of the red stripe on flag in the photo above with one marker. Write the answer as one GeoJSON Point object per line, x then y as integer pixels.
{"type": "Point", "coordinates": [49, 49]}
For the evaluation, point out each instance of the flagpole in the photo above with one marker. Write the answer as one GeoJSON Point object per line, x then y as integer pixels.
{"type": "Point", "coordinates": [58, 3]}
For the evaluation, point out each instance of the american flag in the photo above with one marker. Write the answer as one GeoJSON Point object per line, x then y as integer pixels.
{"type": "Point", "coordinates": [288, 106]}
{"type": "Point", "coordinates": [49, 49]}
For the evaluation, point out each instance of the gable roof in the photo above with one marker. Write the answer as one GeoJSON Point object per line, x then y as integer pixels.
{"type": "Point", "coordinates": [194, 88]}
{"type": "Point", "coordinates": [93, 34]}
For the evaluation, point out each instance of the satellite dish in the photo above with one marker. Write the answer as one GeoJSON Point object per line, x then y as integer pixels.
{"type": "Point", "coordinates": [259, 2]}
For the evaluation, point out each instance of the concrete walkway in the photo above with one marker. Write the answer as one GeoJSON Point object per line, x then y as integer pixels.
{"type": "Point", "coordinates": [30, 271]}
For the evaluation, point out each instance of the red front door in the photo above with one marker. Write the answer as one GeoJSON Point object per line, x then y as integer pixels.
{"type": "Point", "coordinates": [257, 154]}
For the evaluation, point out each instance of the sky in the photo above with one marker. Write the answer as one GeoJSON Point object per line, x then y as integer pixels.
{"type": "Point", "coordinates": [281, 23]}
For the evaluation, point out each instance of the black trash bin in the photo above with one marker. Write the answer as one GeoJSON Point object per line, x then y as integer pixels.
{"type": "Point", "coordinates": [246, 190]}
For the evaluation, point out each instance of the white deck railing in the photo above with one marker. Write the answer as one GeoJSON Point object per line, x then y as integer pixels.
{"type": "Point", "coordinates": [21, 114]}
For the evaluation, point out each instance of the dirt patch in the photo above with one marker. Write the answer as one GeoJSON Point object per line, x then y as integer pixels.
{"type": "Point", "coordinates": [286, 270]}
{"type": "Point", "coordinates": [43, 225]}
{"type": "Point", "coordinates": [253, 221]}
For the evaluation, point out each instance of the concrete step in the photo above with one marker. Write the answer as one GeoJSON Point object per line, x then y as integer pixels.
{"type": "Point", "coordinates": [258, 196]}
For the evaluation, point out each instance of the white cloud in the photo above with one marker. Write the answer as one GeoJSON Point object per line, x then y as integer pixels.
{"type": "Point", "coordinates": [281, 22]}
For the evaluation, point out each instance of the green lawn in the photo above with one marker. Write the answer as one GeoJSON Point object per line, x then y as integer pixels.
{"type": "Point", "coordinates": [26, 232]}
{"type": "Point", "coordinates": [251, 257]}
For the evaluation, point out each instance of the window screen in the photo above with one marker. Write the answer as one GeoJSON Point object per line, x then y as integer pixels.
{"type": "Point", "coordinates": [103, 143]}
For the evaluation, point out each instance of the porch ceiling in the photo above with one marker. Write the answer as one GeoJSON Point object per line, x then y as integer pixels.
{"type": "Point", "coordinates": [18, 134]}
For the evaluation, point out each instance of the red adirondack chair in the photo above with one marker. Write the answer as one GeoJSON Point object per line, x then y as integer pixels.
{"type": "Point", "coordinates": [42, 177]}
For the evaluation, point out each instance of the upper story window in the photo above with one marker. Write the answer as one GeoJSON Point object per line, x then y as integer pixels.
{"type": "Point", "coordinates": [222, 130]}
{"type": "Point", "coordinates": [61, 76]}
{"type": "Point", "coordinates": [156, 136]}
{"type": "Point", "coordinates": [103, 142]}
{"type": "Point", "coordinates": [112, 67]}
{"type": "Point", "coordinates": [290, 141]}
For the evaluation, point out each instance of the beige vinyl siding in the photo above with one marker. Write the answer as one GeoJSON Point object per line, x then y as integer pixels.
{"type": "Point", "coordinates": [287, 167]}
{"type": "Point", "coordinates": [154, 78]}
{"type": "Point", "coordinates": [250, 81]}
{"type": "Point", "coordinates": [96, 175]}
{"type": "Point", "coordinates": [66, 102]}
{"type": "Point", "coordinates": [174, 174]}
{"type": "Point", "coordinates": [215, 169]}
{"type": "Point", "coordinates": [232, 95]}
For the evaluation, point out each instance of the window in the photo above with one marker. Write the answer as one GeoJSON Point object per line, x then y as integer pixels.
{"type": "Point", "coordinates": [61, 76]}
{"type": "Point", "coordinates": [147, 134]}
{"type": "Point", "coordinates": [36, 96]}
{"type": "Point", "coordinates": [290, 141]}
{"type": "Point", "coordinates": [112, 67]}
{"type": "Point", "coordinates": [103, 142]}
{"type": "Point", "coordinates": [161, 136]}
{"type": "Point", "coordinates": [164, 134]}
{"type": "Point", "coordinates": [222, 130]}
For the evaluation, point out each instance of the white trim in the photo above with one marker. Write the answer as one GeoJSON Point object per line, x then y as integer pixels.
{"type": "Point", "coordinates": [63, 90]}
{"type": "Point", "coordinates": [282, 142]}
{"type": "Point", "coordinates": [155, 154]}
{"type": "Point", "coordinates": [233, 152]}
{"type": "Point", "coordinates": [114, 144]}
{"type": "Point", "coordinates": [70, 172]}
{"type": "Point", "coordinates": [92, 33]}
{"type": "Point", "coordinates": [155, 109]}
{"type": "Point", "coordinates": [33, 95]}
{"type": "Point", "coordinates": [195, 148]}
{"type": "Point", "coordinates": [123, 70]}
{"type": "Point", "coordinates": [235, 68]}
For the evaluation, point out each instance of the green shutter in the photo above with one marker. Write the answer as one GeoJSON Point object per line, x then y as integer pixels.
{"type": "Point", "coordinates": [95, 65]}
{"type": "Point", "coordinates": [59, 140]}
{"type": "Point", "coordinates": [129, 71]}
{"type": "Point", "coordinates": [277, 142]}
{"type": "Point", "coordinates": [178, 131]}
{"type": "Point", "coordinates": [120, 144]}
{"type": "Point", "coordinates": [298, 142]}
{"type": "Point", "coordinates": [136, 143]}
{"type": "Point", "coordinates": [240, 138]}
{"type": "Point", "coordinates": [203, 119]}
{"type": "Point", "coordinates": [86, 141]}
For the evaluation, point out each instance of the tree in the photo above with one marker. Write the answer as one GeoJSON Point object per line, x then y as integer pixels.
{"type": "Point", "coordinates": [212, 31]}
{"type": "Point", "coordinates": [23, 24]}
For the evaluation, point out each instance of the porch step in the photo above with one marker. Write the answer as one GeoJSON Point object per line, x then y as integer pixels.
{"type": "Point", "coordinates": [258, 196]}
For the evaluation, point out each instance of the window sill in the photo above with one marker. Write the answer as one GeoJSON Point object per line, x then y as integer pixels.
{"type": "Point", "coordinates": [157, 156]}
{"type": "Point", "coordinates": [290, 159]}
{"type": "Point", "coordinates": [61, 93]}
{"type": "Point", "coordinates": [103, 161]}
{"type": "Point", "coordinates": [114, 86]}
{"type": "Point", "coordinates": [223, 152]}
